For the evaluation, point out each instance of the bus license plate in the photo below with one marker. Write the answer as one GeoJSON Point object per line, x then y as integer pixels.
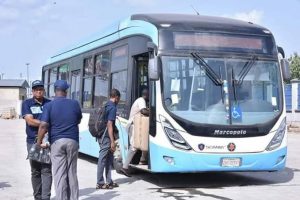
{"type": "Point", "coordinates": [231, 162]}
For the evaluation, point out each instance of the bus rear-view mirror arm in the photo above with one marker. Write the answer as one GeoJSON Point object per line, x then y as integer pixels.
{"type": "Point", "coordinates": [281, 51]}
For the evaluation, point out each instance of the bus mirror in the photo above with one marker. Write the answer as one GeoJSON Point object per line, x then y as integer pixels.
{"type": "Point", "coordinates": [285, 67]}
{"type": "Point", "coordinates": [153, 69]}
{"type": "Point", "coordinates": [152, 47]}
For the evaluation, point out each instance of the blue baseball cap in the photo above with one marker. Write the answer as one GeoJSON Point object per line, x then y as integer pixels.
{"type": "Point", "coordinates": [61, 84]}
{"type": "Point", "coordinates": [37, 83]}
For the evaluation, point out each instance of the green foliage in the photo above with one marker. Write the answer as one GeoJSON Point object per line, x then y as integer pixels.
{"type": "Point", "coordinates": [295, 66]}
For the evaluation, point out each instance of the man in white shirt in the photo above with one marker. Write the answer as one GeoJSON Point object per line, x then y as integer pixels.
{"type": "Point", "coordinates": [139, 106]}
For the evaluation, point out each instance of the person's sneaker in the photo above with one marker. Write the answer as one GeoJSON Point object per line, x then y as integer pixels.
{"type": "Point", "coordinates": [125, 172]}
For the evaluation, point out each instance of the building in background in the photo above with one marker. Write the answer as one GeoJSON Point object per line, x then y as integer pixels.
{"type": "Point", "coordinates": [12, 93]}
{"type": "Point", "coordinates": [292, 98]}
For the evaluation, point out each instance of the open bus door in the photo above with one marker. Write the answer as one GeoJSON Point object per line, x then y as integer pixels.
{"type": "Point", "coordinates": [139, 81]}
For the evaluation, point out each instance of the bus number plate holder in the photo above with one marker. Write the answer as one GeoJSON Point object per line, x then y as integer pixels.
{"type": "Point", "coordinates": [231, 162]}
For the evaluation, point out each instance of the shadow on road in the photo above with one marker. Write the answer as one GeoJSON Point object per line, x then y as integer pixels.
{"type": "Point", "coordinates": [187, 185]}
{"type": "Point", "coordinates": [88, 193]}
{"type": "Point", "coordinates": [4, 185]}
{"type": "Point", "coordinates": [207, 179]}
{"type": "Point", "coordinates": [217, 179]}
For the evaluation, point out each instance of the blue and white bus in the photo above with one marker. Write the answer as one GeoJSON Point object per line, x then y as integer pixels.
{"type": "Point", "coordinates": [216, 90]}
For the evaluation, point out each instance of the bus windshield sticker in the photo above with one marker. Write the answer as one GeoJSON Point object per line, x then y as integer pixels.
{"type": "Point", "coordinates": [274, 101]}
{"type": "Point", "coordinates": [175, 99]}
{"type": "Point", "coordinates": [175, 85]}
{"type": "Point", "coordinates": [236, 113]}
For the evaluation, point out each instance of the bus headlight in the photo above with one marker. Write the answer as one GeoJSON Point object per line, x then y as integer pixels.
{"type": "Point", "coordinates": [175, 138]}
{"type": "Point", "coordinates": [278, 137]}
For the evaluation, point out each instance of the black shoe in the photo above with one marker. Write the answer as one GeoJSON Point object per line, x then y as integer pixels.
{"type": "Point", "coordinates": [125, 172]}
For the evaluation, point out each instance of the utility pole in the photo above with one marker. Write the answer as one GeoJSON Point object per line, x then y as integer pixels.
{"type": "Point", "coordinates": [2, 76]}
{"type": "Point", "coordinates": [28, 89]}
{"type": "Point", "coordinates": [27, 64]}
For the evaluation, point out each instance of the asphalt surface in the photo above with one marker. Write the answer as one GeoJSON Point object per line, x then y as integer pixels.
{"type": "Point", "coordinates": [15, 177]}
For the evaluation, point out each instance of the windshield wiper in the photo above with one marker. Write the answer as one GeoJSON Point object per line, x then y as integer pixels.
{"type": "Point", "coordinates": [208, 70]}
{"type": "Point", "coordinates": [248, 65]}
{"type": "Point", "coordinates": [233, 85]}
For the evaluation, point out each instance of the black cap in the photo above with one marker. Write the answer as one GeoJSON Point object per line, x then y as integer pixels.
{"type": "Point", "coordinates": [37, 83]}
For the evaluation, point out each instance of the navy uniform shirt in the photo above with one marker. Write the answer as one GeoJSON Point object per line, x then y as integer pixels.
{"type": "Point", "coordinates": [111, 115]}
{"type": "Point", "coordinates": [34, 108]}
{"type": "Point", "coordinates": [63, 116]}
{"type": "Point", "coordinates": [111, 111]}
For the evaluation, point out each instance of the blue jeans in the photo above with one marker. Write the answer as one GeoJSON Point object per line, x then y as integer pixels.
{"type": "Point", "coordinates": [105, 160]}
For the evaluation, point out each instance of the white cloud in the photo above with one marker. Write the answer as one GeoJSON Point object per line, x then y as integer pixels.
{"type": "Point", "coordinates": [8, 30]}
{"type": "Point", "coordinates": [43, 10]}
{"type": "Point", "coordinates": [8, 14]}
{"type": "Point", "coordinates": [254, 16]}
{"type": "Point", "coordinates": [19, 3]}
{"type": "Point", "coordinates": [136, 3]}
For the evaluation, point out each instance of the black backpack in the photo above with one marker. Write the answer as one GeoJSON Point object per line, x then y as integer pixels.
{"type": "Point", "coordinates": [97, 122]}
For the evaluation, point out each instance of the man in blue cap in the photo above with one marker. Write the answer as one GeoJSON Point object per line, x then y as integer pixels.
{"type": "Point", "coordinates": [61, 118]}
{"type": "Point", "coordinates": [32, 109]}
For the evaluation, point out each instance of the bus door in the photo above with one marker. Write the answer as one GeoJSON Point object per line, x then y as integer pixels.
{"type": "Point", "coordinates": [139, 82]}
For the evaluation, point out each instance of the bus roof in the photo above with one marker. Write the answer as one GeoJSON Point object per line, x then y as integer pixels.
{"type": "Point", "coordinates": [195, 21]}
{"type": "Point", "coordinates": [148, 24]}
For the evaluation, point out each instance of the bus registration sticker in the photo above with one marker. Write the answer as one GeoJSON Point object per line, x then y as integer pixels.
{"type": "Point", "coordinates": [231, 162]}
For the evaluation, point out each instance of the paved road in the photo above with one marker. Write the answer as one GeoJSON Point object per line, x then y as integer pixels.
{"type": "Point", "coordinates": [284, 185]}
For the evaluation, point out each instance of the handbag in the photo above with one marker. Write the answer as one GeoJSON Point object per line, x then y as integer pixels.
{"type": "Point", "coordinates": [39, 154]}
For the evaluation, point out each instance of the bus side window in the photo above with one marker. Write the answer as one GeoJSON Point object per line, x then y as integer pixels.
{"type": "Point", "coordinates": [46, 81]}
{"type": "Point", "coordinates": [102, 65]}
{"type": "Point", "coordinates": [87, 82]}
{"type": "Point", "coordinates": [119, 65]}
{"type": "Point", "coordinates": [52, 79]}
{"type": "Point", "coordinates": [119, 81]}
{"type": "Point", "coordinates": [75, 85]}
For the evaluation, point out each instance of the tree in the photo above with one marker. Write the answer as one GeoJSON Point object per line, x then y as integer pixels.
{"type": "Point", "coordinates": [295, 65]}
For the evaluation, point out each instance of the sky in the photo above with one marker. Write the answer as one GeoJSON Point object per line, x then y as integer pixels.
{"type": "Point", "coordinates": [31, 31]}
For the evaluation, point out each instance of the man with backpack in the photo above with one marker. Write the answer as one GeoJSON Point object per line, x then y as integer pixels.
{"type": "Point", "coordinates": [107, 143]}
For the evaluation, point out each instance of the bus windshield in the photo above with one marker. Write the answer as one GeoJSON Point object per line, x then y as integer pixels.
{"type": "Point", "coordinates": [251, 98]}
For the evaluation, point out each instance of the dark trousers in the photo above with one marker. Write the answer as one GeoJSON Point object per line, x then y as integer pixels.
{"type": "Point", "coordinates": [41, 179]}
{"type": "Point", "coordinates": [105, 160]}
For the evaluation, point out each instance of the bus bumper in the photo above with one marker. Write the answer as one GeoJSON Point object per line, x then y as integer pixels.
{"type": "Point", "coordinates": [175, 160]}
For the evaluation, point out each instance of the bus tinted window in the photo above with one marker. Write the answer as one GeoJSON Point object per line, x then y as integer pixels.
{"type": "Point", "coordinates": [45, 80]}
{"type": "Point", "coordinates": [88, 67]}
{"type": "Point", "coordinates": [101, 91]}
{"type": "Point", "coordinates": [87, 92]}
{"type": "Point", "coordinates": [75, 85]}
{"type": "Point", "coordinates": [102, 63]}
{"type": "Point", "coordinates": [119, 58]}
{"type": "Point", "coordinates": [63, 72]}
{"type": "Point", "coordinates": [119, 81]}
{"type": "Point", "coordinates": [53, 75]}
{"type": "Point", "coordinates": [87, 97]}
{"type": "Point", "coordinates": [52, 79]}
